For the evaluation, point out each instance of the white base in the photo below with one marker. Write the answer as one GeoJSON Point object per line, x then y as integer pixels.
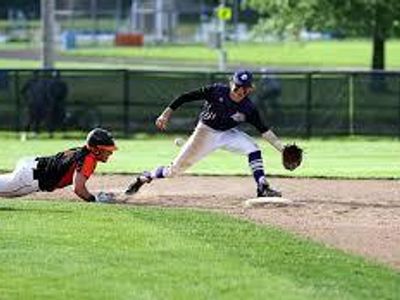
{"type": "Point", "coordinates": [252, 202]}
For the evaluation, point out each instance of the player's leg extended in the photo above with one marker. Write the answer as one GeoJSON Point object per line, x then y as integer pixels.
{"type": "Point", "coordinates": [203, 141]}
{"type": "Point", "coordinates": [20, 182]}
{"type": "Point", "coordinates": [237, 141]}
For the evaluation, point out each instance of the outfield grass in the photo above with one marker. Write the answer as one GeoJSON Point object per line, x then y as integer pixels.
{"type": "Point", "coordinates": [36, 64]}
{"type": "Point", "coordinates": [346, 53]}
{"type": "Point", "coordinates": [103, 23]}
{"type": "Point", "coordinates": [83, 251]}
{"type": "Point", "coordinates": [33, 64]}
{"type": "Point", "coordinates": [330, 54]}
{"type": "Point", "coordinates": [335, 157]}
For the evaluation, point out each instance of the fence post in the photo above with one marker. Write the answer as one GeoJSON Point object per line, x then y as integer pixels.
{"type": "Point", "coordinates": [17, 102]}
{"type": "Point", "coordinates": [211, 77]}
{"type": "Point", "coordinates": [351, 105]}
{"type": "Point", "coordinates": [309, 105]}
{"type": "Point", "coordinates": [126, 102]}
{"type": "Point", "coordinates": [398, 80]}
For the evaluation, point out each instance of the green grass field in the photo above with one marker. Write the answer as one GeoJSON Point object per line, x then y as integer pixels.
{"type": "Point", "coordinates": [35, 64]}
{"type": "Point", "coordinates": [80, 251]}
{"type": "Point", "coordinates": [103, 23]}
{"type": "Point", "coordinates": [336, 157]}
{"type": "Point", "coordinates": [75, 250]}
{"type": "Point", "coordinates": [346, 53]}
{"type": "Point", "coordinates": [32, 64]}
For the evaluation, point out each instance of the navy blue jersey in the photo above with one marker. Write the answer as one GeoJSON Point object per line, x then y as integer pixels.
{"type": "Point", "coordinates": [219, 111]}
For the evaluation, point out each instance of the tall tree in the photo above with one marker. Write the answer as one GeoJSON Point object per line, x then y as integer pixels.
{"type": "Point", "coordinates": [377, 19]}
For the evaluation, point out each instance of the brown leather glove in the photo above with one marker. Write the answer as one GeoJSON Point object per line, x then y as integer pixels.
{"type": "Point", "coordinates": [292, 157]}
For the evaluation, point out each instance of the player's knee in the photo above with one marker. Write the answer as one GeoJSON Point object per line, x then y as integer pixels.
{"type": "Point", "coordinates": [176, 170]}
{"type": "Point", "coordinates": [253, 149]}
{"type": "Point", "coordinates": [168, 172]}
{"type": "Point", "coordinates": [173, 172]}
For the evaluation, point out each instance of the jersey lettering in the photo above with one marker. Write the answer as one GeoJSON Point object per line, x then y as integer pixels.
{"type": "Point", "coordinates": [238, 117]}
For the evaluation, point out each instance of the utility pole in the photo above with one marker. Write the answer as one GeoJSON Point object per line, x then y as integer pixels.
{"type": "Point", "coordinates": [134, 19]}
{"type": "Point", "coordinates": [158, 20]}
{"type": "Point", "coordinates": [48, 24]}
{"type": "Point", "coordinates": [93, 17]}
{"type": "Point", "coordinates": [236, 18]}
{"type": "Point", "coordinates": [224, 13]}
{"type": "Point", "coordinates": [118, 12]}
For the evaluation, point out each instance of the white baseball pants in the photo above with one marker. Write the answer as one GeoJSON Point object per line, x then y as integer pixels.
{"type": "Point", "coordinates": [20, 182]}
{"type": "Point", "coordinates": [203, 141]}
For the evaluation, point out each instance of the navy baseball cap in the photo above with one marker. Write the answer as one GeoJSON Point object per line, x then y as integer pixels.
{"type": "Point", "coordinates": [243, 78]}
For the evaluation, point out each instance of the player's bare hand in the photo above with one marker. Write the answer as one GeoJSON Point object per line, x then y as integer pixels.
{"type": "Point", "coordinates": [162, 122]}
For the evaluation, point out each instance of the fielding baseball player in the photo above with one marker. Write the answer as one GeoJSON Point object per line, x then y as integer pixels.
{"type": "Point", "coordinates": [73, 166]}
{"type": "Point", "coordinates": [225, 107]}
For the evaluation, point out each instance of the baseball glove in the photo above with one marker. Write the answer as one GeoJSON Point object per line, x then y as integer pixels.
{"type": "Point", "coordinates": [292, 156]}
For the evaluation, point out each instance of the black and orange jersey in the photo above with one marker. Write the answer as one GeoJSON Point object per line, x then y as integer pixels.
{"type": "Point", "coordinates": [57, 171]}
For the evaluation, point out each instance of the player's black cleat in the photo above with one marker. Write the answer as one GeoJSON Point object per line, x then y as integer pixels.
{"type": "Point", "coordinates": [264, 190]}
{"type": "Point", "coordinates": [137, 184]}
{"type": "Point", "coordinates": [134, 186]}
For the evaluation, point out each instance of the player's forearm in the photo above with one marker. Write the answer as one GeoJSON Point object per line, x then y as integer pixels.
{"type": "Point", "coordinates": [177, 102]}
{"type": "Point", "coordinates": [195, 95]}
{"type": "Point", "coordinates": [84, 194]}
{"type": "Point", "coordinates": [273, 140]}
{"type": "Point", "coordinates": [79, 184]}
{"type": "Point", "coordinates": [163, 119]}
{"type": "Point", "coordinates": [167, 113]}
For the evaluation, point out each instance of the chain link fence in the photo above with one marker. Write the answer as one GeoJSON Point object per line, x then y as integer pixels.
{"type": "Point", "coordinates": [294, 103]}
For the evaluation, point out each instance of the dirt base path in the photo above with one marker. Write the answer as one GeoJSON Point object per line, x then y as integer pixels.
{"type": "Point", "coordinates": [358, 216]}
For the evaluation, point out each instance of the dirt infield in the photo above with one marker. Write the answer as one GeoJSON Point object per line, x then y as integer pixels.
{"type": "Point", "coordinates": [358, 216]}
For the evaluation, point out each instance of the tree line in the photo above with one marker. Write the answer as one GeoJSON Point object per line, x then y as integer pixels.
{"type": "Point", "coordinates": [375, 19]}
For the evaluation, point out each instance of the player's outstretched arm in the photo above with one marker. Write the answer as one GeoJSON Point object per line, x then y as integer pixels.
{"type": "Point", "coordinates": [271, 137]}
{"type": "Point", "coordinates": [265, 131]}
{"type": "Point", "coordinates": [163, 119]}
{"type": "Point", "coordinates": [194, 95]}
{"type": "Point", "coordinates": [292, 155]}
{"type": "Point", "coordinates": [79, 185]}
{"type": "Point", "coordinates": [82, 192]}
